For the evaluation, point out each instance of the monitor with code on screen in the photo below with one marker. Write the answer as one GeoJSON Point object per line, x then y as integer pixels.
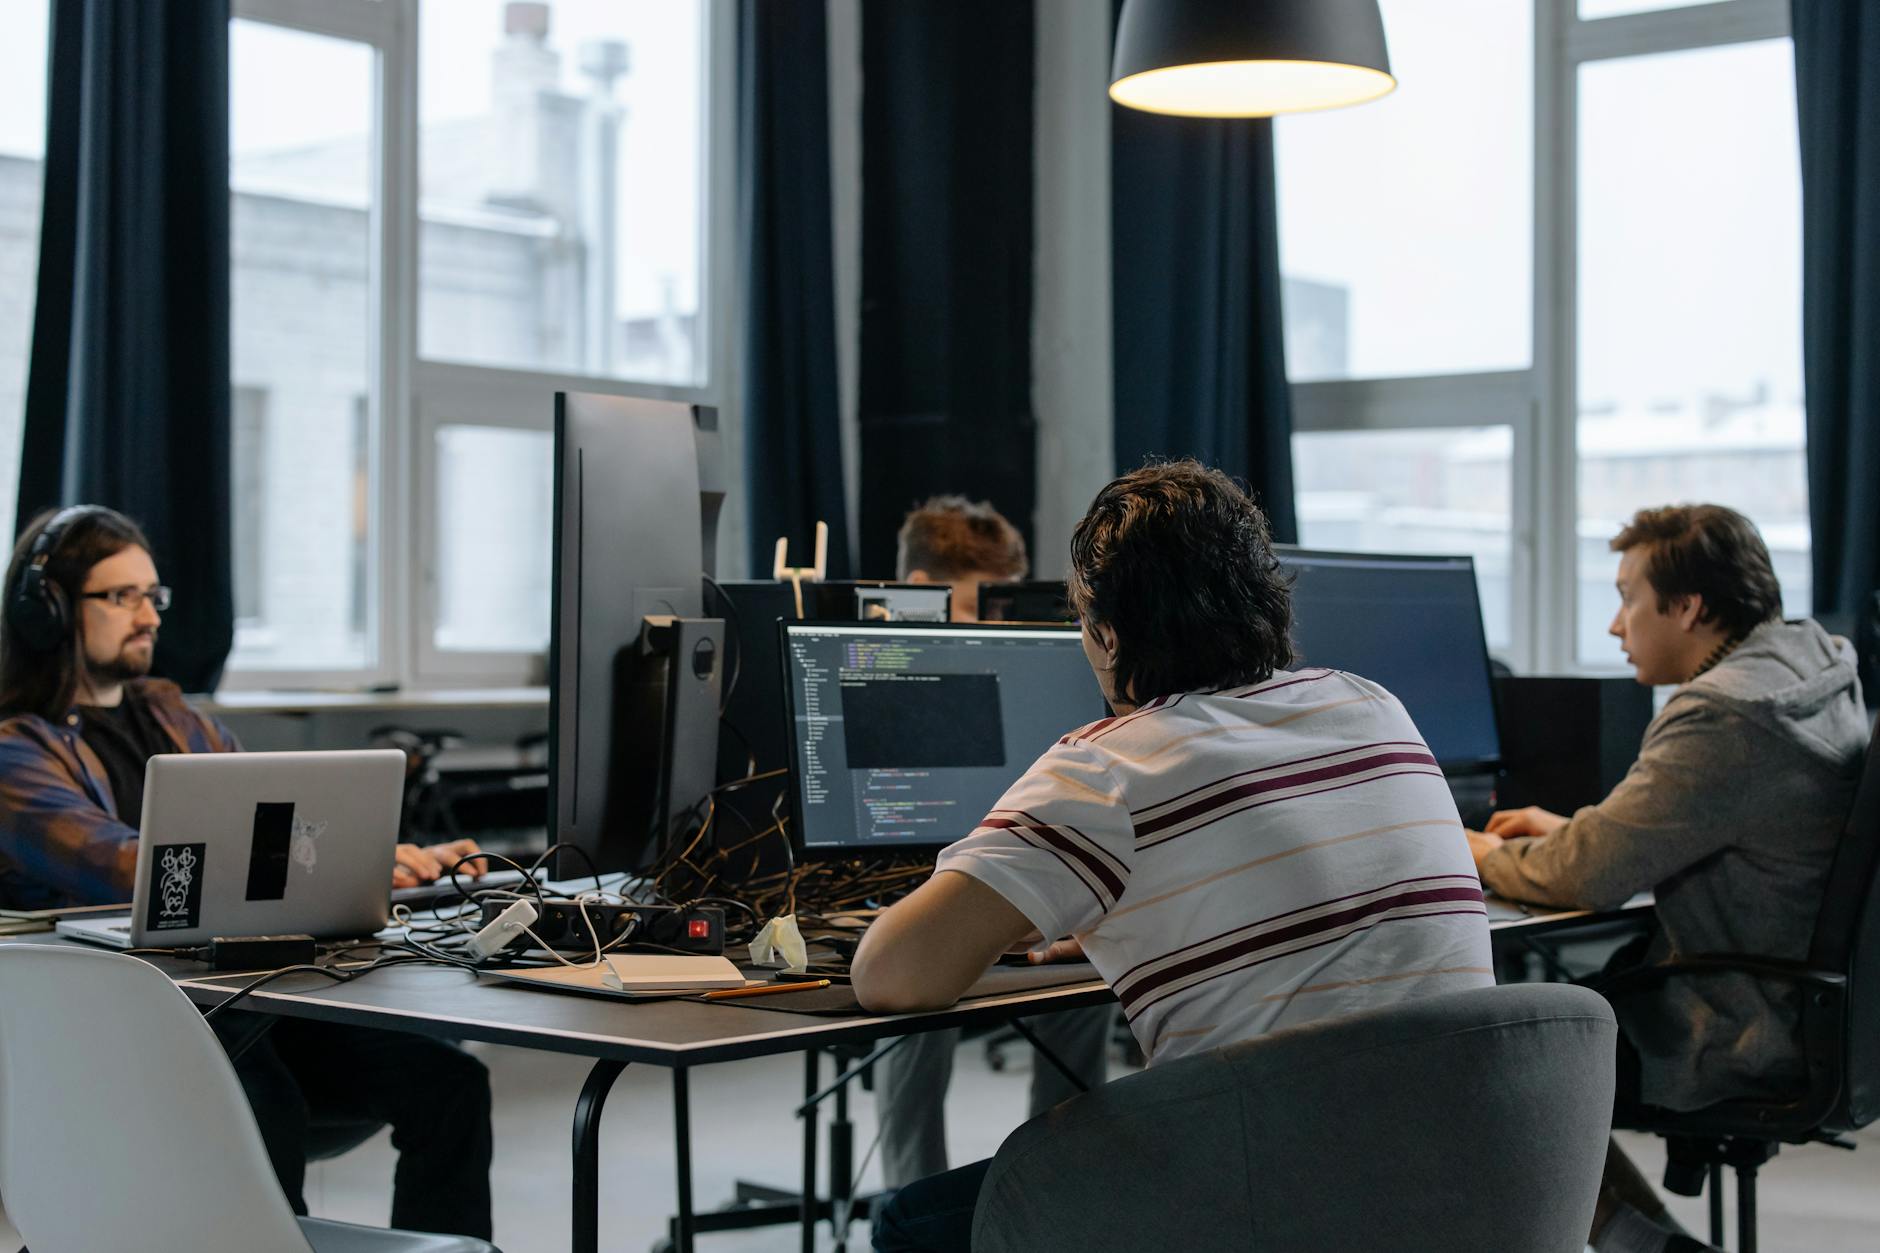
{"type": "Point", "coordinates": [904, 736]}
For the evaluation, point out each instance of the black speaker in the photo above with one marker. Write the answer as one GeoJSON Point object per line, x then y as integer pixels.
{"type": "Point", "coordinates": [1566, 742]}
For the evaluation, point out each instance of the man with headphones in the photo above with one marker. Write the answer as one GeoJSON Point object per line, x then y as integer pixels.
{"type": "Point", "coordinates": [79, 717]}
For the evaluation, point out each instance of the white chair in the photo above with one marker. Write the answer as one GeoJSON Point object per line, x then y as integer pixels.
{"type": "Point", "coordinates": [123, 1127]}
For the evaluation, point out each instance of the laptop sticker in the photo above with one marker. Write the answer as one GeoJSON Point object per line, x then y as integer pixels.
{"type": "Point", "coordinates": [267, 852]}
{"type": "Point", "coordinates": [307, 835]}
{"type": "Point", "coordinates": [175, 887]}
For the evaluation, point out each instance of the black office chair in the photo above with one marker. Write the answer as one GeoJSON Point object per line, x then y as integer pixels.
{"type": "Point", "coordinates": [1840, 1029]}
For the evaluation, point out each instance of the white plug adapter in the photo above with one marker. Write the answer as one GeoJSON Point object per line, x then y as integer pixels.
{"type": "Point", "coordinates": [503, 928]}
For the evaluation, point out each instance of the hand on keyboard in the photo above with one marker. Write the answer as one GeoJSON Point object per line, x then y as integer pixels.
{"type": "Point", "coordinates": [440, 889]}
{"type": "Point", "coordinates": [417, 866]}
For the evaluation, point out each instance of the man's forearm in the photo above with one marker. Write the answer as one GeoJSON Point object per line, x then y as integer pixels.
{"type": "Point", "coordinates": [925, 951]}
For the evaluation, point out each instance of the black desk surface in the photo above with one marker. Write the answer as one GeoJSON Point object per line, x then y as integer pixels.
{"type": "Point", "coordinates": [459, 1005]}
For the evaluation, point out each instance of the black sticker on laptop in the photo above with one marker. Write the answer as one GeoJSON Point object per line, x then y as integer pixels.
{"type": "Point", "coordinates": [175, 887]}
{"type": "Point", "coordinates": [268, 852]}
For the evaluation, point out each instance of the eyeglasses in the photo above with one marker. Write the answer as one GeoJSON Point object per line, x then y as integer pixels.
{"type": "Point", "coordinates": [133, 598]}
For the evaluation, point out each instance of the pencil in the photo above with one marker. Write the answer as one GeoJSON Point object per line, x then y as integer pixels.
{"type": "Point", "coordinates": [765, 989]}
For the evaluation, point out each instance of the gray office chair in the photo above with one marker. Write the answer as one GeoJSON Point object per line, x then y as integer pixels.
{"type": "Point", "coordinates": [122, 1125]}
{"type": "Point", "coordinates": [1472, 1120]}
{"type": "Point", "coordinates": [1840, 999]}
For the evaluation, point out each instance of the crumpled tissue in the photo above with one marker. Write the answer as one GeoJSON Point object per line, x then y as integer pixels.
{"type": "Point", "coordinates": [780, 943]}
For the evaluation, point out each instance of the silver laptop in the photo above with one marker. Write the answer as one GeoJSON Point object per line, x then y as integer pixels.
{"type": "Point", "coordinates": [236, 844]}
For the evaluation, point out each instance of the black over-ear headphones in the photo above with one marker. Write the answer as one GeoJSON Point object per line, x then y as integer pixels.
{"type": "Point", "coordinates": [37, 609]}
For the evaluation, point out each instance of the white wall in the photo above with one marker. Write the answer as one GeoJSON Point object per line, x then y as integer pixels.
{"type": "Point", "coordinates": [1070, 327]}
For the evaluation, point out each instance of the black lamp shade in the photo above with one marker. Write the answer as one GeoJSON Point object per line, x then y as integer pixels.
{"type": "Point", "coordinates": [1248, 58]}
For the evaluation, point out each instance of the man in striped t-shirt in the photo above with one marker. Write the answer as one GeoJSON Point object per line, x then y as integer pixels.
{"type": "Point", "coordinates": [1242, 848]}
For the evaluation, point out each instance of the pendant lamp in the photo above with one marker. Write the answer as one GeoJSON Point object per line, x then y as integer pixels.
{"type": "Point", "coordinates": [1248, 58]}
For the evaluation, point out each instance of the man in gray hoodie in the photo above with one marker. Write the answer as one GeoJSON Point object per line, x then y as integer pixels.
{"type": "Point", "coordinates": [1730, 815]}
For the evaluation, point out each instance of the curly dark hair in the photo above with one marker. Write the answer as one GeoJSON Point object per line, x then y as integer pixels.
{"type": "Point", "coordinates": [1178, 561]}
{"type": "Point", "coordinates": [1707, 551]}
{"type": "Point", "coordinates": [950, 537]}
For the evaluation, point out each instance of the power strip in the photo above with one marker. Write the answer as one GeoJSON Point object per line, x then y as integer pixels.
{"type": "Point", "coordinates": [562, 927]}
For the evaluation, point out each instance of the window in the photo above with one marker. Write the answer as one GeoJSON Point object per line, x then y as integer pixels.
{"type": "Point", "coordinates": [1690, 286]}
{"type": "Point", "coordinates": [1410, 363]}
{"type": "Point", "coordinates": [445, 211]}
{"type": "Point", "coordinates": [302, 289]}
{"type": "Point", "coordinates": [560, 186]}
{"type": "Point", "coordinates": [1441, 491]}
{"type": "Point", "coordinates": [494, 539]}
{"type": "Point", "coordinates": [22, 151]}
{"type": "Point", "coordinates": [1513, 372]}
{"type": "Point", "coordinates": [1406, 236]}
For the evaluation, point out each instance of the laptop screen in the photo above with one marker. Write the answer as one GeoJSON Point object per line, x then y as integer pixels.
{"type": "Point", "coordinates": [905, 736]}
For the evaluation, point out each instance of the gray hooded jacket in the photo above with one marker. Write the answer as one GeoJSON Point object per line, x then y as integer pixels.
{"type": "Point", "coordinates": [1730, 815]}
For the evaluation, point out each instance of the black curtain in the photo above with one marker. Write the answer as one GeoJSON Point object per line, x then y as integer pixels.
{"type": "Point", "coordinates": [1200, 361]}
{"type": "Point", "coordinates": [945, 396]}
{"type": "Point", "coordinates": [792, 436]}
{"type": "Point", "coordinates": [1837, 81]}
{"type": "Point", "coordinates": [127, 395]}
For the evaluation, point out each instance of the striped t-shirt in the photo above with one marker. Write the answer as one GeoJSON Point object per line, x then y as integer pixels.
{"type": "Point", "coordinates": [1245, 860]}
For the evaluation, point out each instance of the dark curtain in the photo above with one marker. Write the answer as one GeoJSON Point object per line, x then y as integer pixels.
{"type": "Point", "coordinates": [945, 396]}
{"type": "Point", "coordinates": [1837, 82]}
{"type": "Point", "coordinates": [1200, 362]}
{"type": "Point", "coordinates": [792, 437]}
{"type": "Point", "coordinates": [127, 395]}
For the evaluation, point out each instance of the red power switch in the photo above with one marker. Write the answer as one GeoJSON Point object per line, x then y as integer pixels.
{"type": "Point", "coordinates": [698, 929]}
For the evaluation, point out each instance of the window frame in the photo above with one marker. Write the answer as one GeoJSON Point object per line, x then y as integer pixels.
{"type": "Point", "coordinates": [378, 25]}
{"type": "Point", "coordinates": [415, 395]}
{"type": "Point", "coordinates": [1540, 403]}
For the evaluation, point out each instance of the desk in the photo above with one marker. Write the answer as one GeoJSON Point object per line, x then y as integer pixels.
{"type": "Point", "coordinates": [678, 1035]}
{"type": "Point", "coordinates": [1509, 918]}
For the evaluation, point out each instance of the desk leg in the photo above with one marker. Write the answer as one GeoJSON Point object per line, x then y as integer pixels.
{"type": "Point", "coordinates": [587, 1154]}
{"type": "Point", "coordinates": [806, 1204]}
{"type": "Point", "coordinates": [841, 1170]}
{"type": "Point", "coordinates": [682, 1137]}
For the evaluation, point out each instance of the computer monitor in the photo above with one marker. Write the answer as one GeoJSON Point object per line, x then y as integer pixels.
{"type": "Point", "coordinates": [1413, 624]}
{"type": "Point", "coordinates": [1039, 600]}
{"type": "Point", "coordinates": [902, 737]}
{"type": "Point", "coordinates": [755, 731]}
{"type": "Point", "coordinates": [633, 665]}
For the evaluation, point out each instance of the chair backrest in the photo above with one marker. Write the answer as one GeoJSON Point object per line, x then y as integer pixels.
{"type": "Point", "coordinates": [122, 1125]}
{"type": "Point", "coordinates": [1471, 1120]}
{"type": "Point", "coordinates": [1847, 939]}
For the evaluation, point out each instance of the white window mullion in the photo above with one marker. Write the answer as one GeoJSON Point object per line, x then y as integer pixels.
{"type": "Point", "coordinates": [1496, 399]}
{"type": "Point", "coordinates": [362, 21]}
{"type": "Point", "coordinates": [398, 344]}
{"type": "Point", "coordinates": [1674, 30]}
{"type": "Point", "coordinates": [1552, 455]}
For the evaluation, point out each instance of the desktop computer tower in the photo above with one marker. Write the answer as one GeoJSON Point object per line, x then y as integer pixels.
{"type": "Point", "coordinates": [1566, 742]}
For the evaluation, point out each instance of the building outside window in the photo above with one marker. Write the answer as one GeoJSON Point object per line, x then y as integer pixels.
{"type": "Point", "coordinates": [445, 211]}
